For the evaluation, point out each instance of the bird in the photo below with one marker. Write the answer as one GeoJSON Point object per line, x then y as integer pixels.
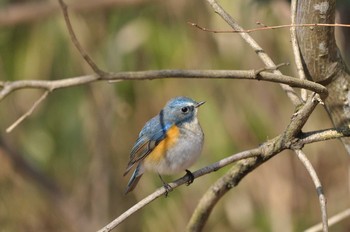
{"type": "Point", "coordinates": [168, 143]}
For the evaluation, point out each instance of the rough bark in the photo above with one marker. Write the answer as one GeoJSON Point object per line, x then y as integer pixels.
{"type": "Point", "coordinates": [322, 60]}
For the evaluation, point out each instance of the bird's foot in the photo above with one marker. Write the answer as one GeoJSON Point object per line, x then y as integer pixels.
{"type": "Point", "coordinates": [168, 189]}
{"type": "Point", "coordinates": [167, 186]}
{"type": "Point", "coordinates": [190, 177]}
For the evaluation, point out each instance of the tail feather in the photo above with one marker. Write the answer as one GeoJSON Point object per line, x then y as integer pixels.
{"type": "Point", "coordinates": [134, 179]}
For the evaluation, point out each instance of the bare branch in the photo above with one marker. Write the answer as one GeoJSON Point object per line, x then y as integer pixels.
{"type": "Point", "coordinates": [75, 41]}
{"type": "Point", "coordinates": [8, 87]}
{"type": "Point", "coordinates": [264, 152]}
{"type": "Point", "coordinates": [323, 135]}
{"type": "Point", "coordinates": [331, 221]}
{"type": "Point", "coordinates": [216, 191]}
{"type": "Point", "coordinates": [50, 85]}
{"type": "Point", "coordinates": [269, 149]}
{"type": "Point", "coordinates": [161, 191]}
{"type": "Point", "coordinates": [255, 46]}
{"type": "Point", "coordinates": [307, 164]}
{"type": "Point", "coordinates": [29, 112]}
{"type": "Point", "coordinates": [295, 46]}
{"type": "Point", "coordinates": [298, 120]}
{"type": "Point", "coordinates": [253, 158]}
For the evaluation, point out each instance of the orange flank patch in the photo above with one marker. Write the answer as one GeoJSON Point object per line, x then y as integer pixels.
{"type": "Point", "coordinates": [169, 141]}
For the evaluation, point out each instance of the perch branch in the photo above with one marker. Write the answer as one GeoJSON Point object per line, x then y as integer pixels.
{"type": "Point", "coordinates": [264, 152]}
{"type": "Point", "coordinates": [242, 168]}
{"type": "Point", "coordinates": [161, 191]}
{"type": "Point", "coordinates": [253, 158]}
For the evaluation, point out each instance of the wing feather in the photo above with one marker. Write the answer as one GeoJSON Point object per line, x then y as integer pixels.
{"type": "Point", "coordinates": [150, 136]}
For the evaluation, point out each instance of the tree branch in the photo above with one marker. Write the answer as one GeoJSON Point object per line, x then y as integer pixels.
{"type": "Point", "coordinates": [331, 221]}
{"type": "Point", "coordinates": [29, 112]}
{"type": "Point", "coordinates": [247, 162]}
{"type": "Point", "coordinates": [255, 46]}
{"type": "Point", "coordinates": [75, 41]}
{"type": "Point", "coordinates": [295, 46]}
{"type": "Point", "coordinates": [161, 191]}
{"type": "Point", "coordinates": [287, 140]}
{"type": "Point", "coordinates": [322, 199]}
{"type": "Point", "coordinates": [323, 62]}
{"type": "Point", "coordinates": [253, 158]}
{"type": "Point", "coordinates": [217, 190]}
{"type": "Point", "coordinates": [50, 85]}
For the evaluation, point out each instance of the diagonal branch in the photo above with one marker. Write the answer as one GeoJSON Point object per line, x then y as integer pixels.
{"type": "Point", "coordinates": [161, 191]}
{"type": "Point", "coordinates": [75, 41]}
{"type": "Point", "coordinates": [255, 46]}
{"type": "Point", "coordinates": [252, 159]}
{"type": "Point", "coordinates": [286, 140]}
{"type": "Point", "coordinates": [29, 112]}
{"type": "Point", "coordinates": [332, 221]}
{"type": "Point", "coordinates": [218, 190]}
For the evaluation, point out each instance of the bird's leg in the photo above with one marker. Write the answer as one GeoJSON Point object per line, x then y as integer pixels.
{"type": "Point", "coordinates": [167, 187]}
{"type": "Point", "coordinates": [190, 177]}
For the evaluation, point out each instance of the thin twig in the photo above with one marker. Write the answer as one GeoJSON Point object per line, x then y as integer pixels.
{"type": "Point", "coordinates": [264, 28]}
{"type": "Point", "coordinates": [270, 68]}
{"type": "Point", "coordinates": [323, 135]}
{"type": "Point", "coordinates": [296, 50]}
{"type": "Point", "coordinates": [322, 199]}
{"type": "Point", "coordinates": [331, 221]}
{"type": "Point", "coordinates": [75, 41]}
{"type": "Point", "coordinates": [255, 46]}
{"type": "Point", "coordinates": [29, 112]}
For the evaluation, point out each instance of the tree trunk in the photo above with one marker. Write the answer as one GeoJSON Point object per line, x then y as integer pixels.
{"type": "Point", "coordinates": [322, 60]}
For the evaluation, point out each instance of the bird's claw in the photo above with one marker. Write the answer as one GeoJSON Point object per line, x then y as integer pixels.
{"type": "Point", "coordinates": [190, 177]}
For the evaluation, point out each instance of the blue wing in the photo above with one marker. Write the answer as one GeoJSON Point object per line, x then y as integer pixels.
{"type": "Point", "coordinates": [150, 136]}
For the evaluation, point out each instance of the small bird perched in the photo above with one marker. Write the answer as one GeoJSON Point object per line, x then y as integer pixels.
{"type": "Point", "coordinates": [168, 143]}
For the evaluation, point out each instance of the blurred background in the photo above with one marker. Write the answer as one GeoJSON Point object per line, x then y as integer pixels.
{"type": "Point", "coordinates": [62, 168]}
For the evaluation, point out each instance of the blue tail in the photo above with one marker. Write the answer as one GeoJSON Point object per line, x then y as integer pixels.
{"type": "Point", "coordinates": [134, 179]}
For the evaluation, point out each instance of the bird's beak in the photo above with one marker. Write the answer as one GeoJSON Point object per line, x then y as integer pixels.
{"type": "Point", "coordinates": [199, 104]}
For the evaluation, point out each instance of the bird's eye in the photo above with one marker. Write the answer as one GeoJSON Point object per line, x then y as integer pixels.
{"type": "Point", "coordinates": [184, 109]}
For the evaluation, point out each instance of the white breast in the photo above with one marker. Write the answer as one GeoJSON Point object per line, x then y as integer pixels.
{"type": "Point", "coordinates": [186, 152]}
